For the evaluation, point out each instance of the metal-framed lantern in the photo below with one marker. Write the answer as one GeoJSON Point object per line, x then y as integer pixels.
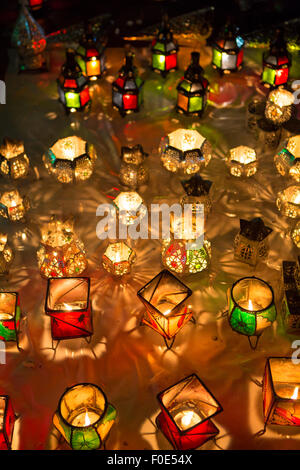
{"type": "Point", "coordinates": [69, 306]}
{"type": "Point", "coordinates": [70, 159]}
{"type": "Point", "coordinates": [276, 62]}
{"type": "Point", "coordinates": [291, 296]}
{"type": "Point", "coordinates": [242, 161]}
{"type": "Point", "coordinates": [197, 194]}
{"type": "Point", "coordinates": [251, 307]}
{"type": "Point", "coordinates": [186, 411]}
{"type": "Point", "coordinates": [118, 258]}
{"type": "Point", "coordinates": [250, 244]}
{"type": "Point", "coordinates": [130, 207]}
{"type": "Point", "coordinates": [72, 85]}
{"type": "Point", "coordinates": [133, 172]}
{"type": "Point", "coordinates": [228, 50]}
{"type": "Point", "coordinates": [90, 55]}
{"type": "Point", "coordinates": [164, 50]}
{"type": "Point", "coordinates": [13, 206]}
{"type": "Point", "coordinates": [7, 422]}
{"type": "Point", "coordinates": [6, 254]}
{"type": "Point", "coordinates": [185, 150]}
{"type": "Point", "coordinates": [10, 315]}
{"type": "Point", "coordinates": [288, 201]}
{"type": "Point", "coordinates": [279, 106]}
{"type": "Point", "coordinates": [287, 160]}
{"type": "Point", "coordinates": [127, 88]}
{"type": "Point", "coordinates": [192, 89]}
{"type": "Point", "coordinates": [13, 160]}
{"type": "Point", "coordinates": [84, 417]}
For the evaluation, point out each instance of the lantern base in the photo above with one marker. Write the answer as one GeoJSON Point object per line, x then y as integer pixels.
{"type": "Point", "coordinates": [189, 113]}
{"type": "Point", "coordinates": [164, 73]}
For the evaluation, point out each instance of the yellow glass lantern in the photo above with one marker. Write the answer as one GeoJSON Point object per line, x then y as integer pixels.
{"type": "Point", "coordinates": [130, 207]}
{"type": "Point", "coordinates": [287, 161]}
{"type": "Point", "coordinates": [118, 258]}
{"type": "Point", "coordinates": [288, 201]}
{"type": "Point", "coordinates": [13, 160]}
{"type": "Point", "coordinates": [13, 206]}
{"type": "Point", "coordinates": [6, 254]}
{"type": "Point", "coordinates": [242, 161]}
{"type": "Point", "coordinates": [279, 106]}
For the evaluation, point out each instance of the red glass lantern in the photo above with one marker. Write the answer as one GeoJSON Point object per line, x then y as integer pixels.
{"type": "Point", "coordinates": [164, 50]}
{"type": "Point", "coordinates": [276, 62]}
{"type": "Point", "coordinates": [127, 88]}
{"type": "Point", "coordinates": [187, 408]}
{"type": "Point", "coordinates": [7, 422]}
{"type": "Point", "coordinates": [90, 55]}
{"type": "Point", "coordinates": [35, 4]}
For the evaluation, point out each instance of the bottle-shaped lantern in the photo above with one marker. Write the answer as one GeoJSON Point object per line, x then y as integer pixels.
{"type": "Point", "coordinates": [192, 89]}
{"type": "Point", "coordinates": [72, 85]}
{"type": "Point", "coordinates": [6, 254]}
{"type": "Point", "coordinates": [250, 244]}
{"type": "Point", "coordinates": [197, 193]}
{"type": "Point", "coordinates": [90, 55]}
{"type": "Point", "coordinates": [164, 50]}
{"type": "Point", "coordinates": [276, 62]}
{"type": "Point", "coordinates": [228, 50]}
{"type": "Point", "coordinates": [132, 172]}
{"type": "Point", "coordinates": [127, 88]}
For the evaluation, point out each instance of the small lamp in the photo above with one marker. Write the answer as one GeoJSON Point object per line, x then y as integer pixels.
{"type": "Point", "coordinates": [7, 422]}
{"type": "Point", "coordinates": [164, 50]}
{"type": "Point", "coordinates": [118, 258]}
{"type": "Point", "coordinates": [90, 56]}
{"type": "Point", "coordinates": [130, 207]}
{"type": "Point", "coordinates": [228, 50]}
{"type": "Point", "coordinates": [279, 106]}
{"type": "Point", "coordinates": [197, 194]}
{"type": "Point", "coordinates": [288, 201]}
{"type": "Point", "coordinates": [6, 254]}
{"type": "Point", "coordinates": [287, 161]}
{"type": "Point", "coordinates": [133, 172]}
{"type": "Point", "coordinates": [242, 161]}
{"type": "Point", "coordinates": [127, 88]}
{"type": "Point", "coordinates": [13, 160]}
{"type": "Point", "coordinates": [250, 244]}
{"type": "Point", "coordinates": [276, 62]}
{"type": "Point", "coordinates": [13, 206]}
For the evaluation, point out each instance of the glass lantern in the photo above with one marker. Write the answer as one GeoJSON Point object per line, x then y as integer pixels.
{"type": "Point", "coordinates": [10, 316]}
{"type": "Point", "coordinates": [7, 422]}
{"type": "Point", "coordinates": [279, 106]}
{"type": "Point", "coordinates": [296, 234]}
{"type": "Point", "coordinates": [250, 244]}
{"type": "Point", "coordinates": [242, 161]}
{"type": "Point", "coordinates": [287, 161]}
{"type": "Point", "coordinates": [288, 201]}
{"type": "Point", "coordinates": [228, 50]}
{"type": "Point", "coordinates": [70, 159]}
{"type": "Point", "coordinates": [13, 160]}
{"type": "Point", "coordinates": [6, 254]}
{"type": "Point", "coordinates": [118, 258]}
{"type": "Point", "coordinates": [84, 417]}
{"type": "Point", "coordinates": [197, 194]}
{"type": "Point", "coordinates": [291, 296]}
{"type": "Point", "coordinates": [164, 50]}
{"type": "Point", "coordinates": [132, 172]}
{"type": "Point", "coordinates": [13, 206]}
{"type": "Point", "coordinates": [276, 62]}
{"type": "Point", "coordinates": [90, 55]}
{"type": "Point", "coordinates": [130, 207]}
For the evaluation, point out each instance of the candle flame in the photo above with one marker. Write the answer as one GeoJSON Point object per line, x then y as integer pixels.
{"type": "Point", "coordinates": [295, 394]}
{"type": "Point", "coordinates": [187, 418]}
{"type": "Point", "coordinates": [250, 305]}
{"type": "Point", "coordinates": [68, 307]}
{"type": "Point", "coordinates": [87, 420]}
{"type": "Point", "coordinates": [118, 257]}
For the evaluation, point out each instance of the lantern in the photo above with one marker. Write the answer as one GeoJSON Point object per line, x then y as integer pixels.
{"type": "Point", "coordinates": [197, 194]}
{"type": "Point", "coordinates": [251, 307]}
{"type": "Point", "coordinates": [242, 161]}
{"type": "Point", "coordinates": [35, 4]}
{"type": "Point", "coordinates": [250, 244]}
{"type": "Point", "coordinates": [90, 57]}
{"type": "Point", "coordinates": [127, 88]}
{"type": "Point", "coordinates": [62, 253]}
{"type": "Point", "coordinates": [186, 411]}
{"type": "Point", "coordinates": [164, 50]}
{"type": "Point", "coordinates": [287, 161]}
{"type": "Point", "coordinates": [7, 422]}
{"type": "Point", "coordinates": [130, 207]}
{"type": "Point", "coordinates": [13, 160]}
{"type": "Point", "coordinates": [228, 50]}
{"type": "Point", "coordinates": [70, 159]}
{"type": "Point", "coordinates": [72, 85]}
{"type": "Point", "coordinates": [10, 315]}
{"type": "Point", "coordinates": [192, 89]}
{"type": "Point", "coordinates": [288, 201]}
{"type": "Point", "coordinates": [132, 172]}
{"type": "Point", "coordinates": [255, 112]}
{"type": "Point", "coordinates": [279, 106]}
{"type": "Point", "coordinates": [276, 62]}
{"type": "Point", "coordinates": [118, 258]}
{"type": "Point", "coordinates": [281, 398]}
{"type": "Point", "coordinates": [6, 254]}
{"type": "Point", "coordinates": [13, 206]}
{"type": "Point", "coordinates": [165, 300]}
{"type": "Point", "coordinates": [291, 296]}
{"type": "Point", "coordinates": [185, 150]}
{"type": "Point", "coordinates": [84, 417]}
{"type": "Point", "coordinates": [68, 304]}
{"type": "Point", "coordinates": [296, 234]}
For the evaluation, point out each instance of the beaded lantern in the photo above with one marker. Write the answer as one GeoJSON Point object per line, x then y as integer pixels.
{"type": "Point", "coordinates": [90, 55]}
{"type": "Point", "coordinates": [118, 258]}
{"type": "Point", "coordinates": [242, 161]}
{"type": "Point", "coordinates": [84, 417]}
{"type": "Point", "coordinates": [287, 161]}
{"type": "Point", "coordinates": [197, 194]}
{"type": "Point", "coordinates": [7, 422]}
{"type": "Point", "coordinates": [291, 296]}
{"type": "Point", "coordinates": [185, 150]}
{"type": "Point", "coordinates": [70, 159]}
{"type": "Point", "coordinates": [130, 207]}
{"type": "Point", "coordinates": [13, 206]}
{"type": "Point", "coordinates": [13, 160]}
{"type": "Point", "coordinates": [62, 253]}
{"type": "Point", "coordinates": [228, 50]}
{"type": "Point", "coordinates": [250, 244]}
{"type": "Point", "coordinates": [186, 411]}
{"type": "Point", "coordinates": [296, 234]}
{"type": "Point", "coordinates": [164, 50]}
{"type": "Point", "coordinates": [192, 89]}
{"type": "Point", "coordinates": [276, 62]}
{"type": "Point", "coordinates": [133, 172]}
{"type": "Point", "coordinates": [10, 315]}
{"type": "Point", "coordinates": [127, 88]}
{"type": "Point", "coordinates": [6, 254]}
{"type": "Point", "coordinates": [279, 106]}
{"type": "Point", "coordinates": [288, 201]}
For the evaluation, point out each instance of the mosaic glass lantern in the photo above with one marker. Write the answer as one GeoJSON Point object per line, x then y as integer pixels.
{"type": "Point", "coordinates": [185, 150]}
{"type": "Point", "coordinates": [165, 299]}
{"type": "Point", "coordinates": [186, 411]}
{"type": "Point", "coordinates": [296, 234]}
{"type": "Point", "coordinates": [69, 306]}
{"type": "Point", "coordinates": [130, 207]}
{"type": "Point", "coordinates": [6, 254]}
{"type": "Point", "coordinates": [118, 258]}
{"type": "Point", "coordinates": [10, 315]}
{"type": "Point", "coordinates": [242, 161]}
{"type": "Point", "coordinates": [13, 160]}
{"type": "Point", "coordinates": [133, 172]}
{"type": "Point", "coordinates": [287, 161]}
{"type": "Point", "coordinates": [70, 159]}
{"type": "Point", "coordinates": [291, 296]}
{"type": "Point", "coordinates": [7, 422]}
{"type": "Point", "coordinates": [61, 253]}
{"type": "Point", "coordinates": [164, 50]}
{"type": "Point", "coordinates": [90, 55]}
{"type": "Point", "coordinates": [13, 206]}
{"type": "Point", "coordinates": [281, 397]}
{"type": "Point", "coordinates": [84, 417]}
{"type": "Point", "coordinates": [276, 62]}
{"type": "Point", "coordinates": [197, 194]}
{"type": "Point", "coordinates": [279, 106]}
{"type": "Point", "coordinates": [228, 50]}
{"type": "Point", "coordinates": [288, 201]}
{"type": "Point", "coordinates": [250, 244]}
{"type": "Point", "coordinates": [72, 85]}
{"type": "Point", "coordinates": [251, 307]}
{"type": "Point", "coordinates": [192, 89]}
{"type": "Point", "coordinates": [127, 88]}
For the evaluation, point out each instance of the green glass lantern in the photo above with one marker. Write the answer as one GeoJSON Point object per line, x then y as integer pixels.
{"type": "Point", "coordinates": [164, 50]}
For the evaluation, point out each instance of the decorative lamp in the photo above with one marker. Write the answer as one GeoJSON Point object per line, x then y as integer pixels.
{"type": "Point", "coordinates": [127, 88]}
{"type": "Point", "coordinates": [130, 207]}
{"type": "Point", "coordinates": [288, 201]}
{"type": "Point", "coordinates": [69, 306]}
{"type": "Point", "coordinates": [61, 253]}
{"type": "Point", "coordinates": [291, 296]}
{"type": "Point", "coordinates": [164, 50]}
{"type": "Point", "coordinates": [287, 161]}
{"type": "Point", "coordinates": [10, 315]}
{"type": "Point", "coordinates": [192, 89]}
{"type": "Point", "coordinates": [276, 62]}
{"type": "Point", "coordinates": [281, 398]}
{"type": "Point", "coordinates": [197, 194]}
{"type": "Point", "coordinates": [185, 150]}
{"type": "Point", "coordinates": [7, 422]}
{"type": "Point", "coordinates": [6, 254]}
{"type": "Point", "coordinates": [72, 85]}
{"type": "Point", "coordinates": [186, 411]}
{"type": "Point", "coordinates": [279, 106]}
{"type": "Point", "coordinates": [296, 234]}
{"type": "Point", "coordinates": [13, 160]}
{"type": "Point", "coordinates": [251, 307]}
{"type": "Point", "coordinates": [250, 244]}
{"type": "Point", "coordinates": [242, 161]}
{"type": "Point", "coordinates": [165, 300]}
{"type": "Point", "coordinates": [84, 417]}
{"type": "Point", "coordinates": [70, 159]}
{"type": "Point", "coordinates": [132, 172]}
{"type": "Point", "coordinates": [13, 206]}
{"type": "Point", "coordinates": [228, 50]}
{"type": "Point", "coordinates": [118, 258]}
{"type": "Point", "coordinates": [90, 57]}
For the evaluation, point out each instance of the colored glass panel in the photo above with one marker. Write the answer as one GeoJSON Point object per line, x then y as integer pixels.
{"type": "Point", "coordinates": [72, 99]}
{"type": "Point", "coordinates": [130, 102]}
{"type": "Point", "coordinates": [81, 63]}
{"type": "Point", "coordinates": [158, 61]}
{"type": "Point", "coordinates": [217, 58]}
{"type": "Point", "coordinates": [196, 104]}
{"type": "Point", "coordinates": [282, 76]}
{"type": "Point", "coordinates": [183, 102]}
{"type": "Point", "coordinates": [171, 61]}
{"type": "Point", "coordinates": [93, 68]}
{"type": "Point", "coordinates": [84, 96]}
{"type": "Point", "coordinates": [243, 322]}
{"type": "Point", "coordinates": [269, 76]}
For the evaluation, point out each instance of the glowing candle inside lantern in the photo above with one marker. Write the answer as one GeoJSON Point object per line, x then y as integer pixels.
{"type": "Point", "coordinates": [72, 306]}
{"type": "Point", "coordinates": [295, 394]}
{"type": "Point", "coordinates": [187, 419]}
{"type": "Point", "coordinates": [85, 418]}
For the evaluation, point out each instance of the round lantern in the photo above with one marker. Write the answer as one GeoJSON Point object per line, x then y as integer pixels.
{"type": "Point", "coordinates": [164, 50]}
{"type": "Point", "coordinates": [228, 50]}
{"type": "Point", "coordinates": [90, 55]}
{"type": "Point", "coordinates": [279, 106]}
{"type": "Point", "coordinates": [276, 62]}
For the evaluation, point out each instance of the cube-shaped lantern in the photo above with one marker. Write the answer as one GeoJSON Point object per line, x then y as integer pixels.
{"type": "Point", "coordinates": [118, 258]}
{"type": "Point", "coordinates": [164, 50]}
{"type": "Point", "coordinates": [10, 315]}
{"type": "Point", "coordinates": [197, 194]}
{"type": "Point", "coordinates": [187, 408]}
{"type": "Point", "coordinates": [288, 201]}
{"type": "Point", "coordinates": [250, 244]}
{"type": "Point", "coordinates": [84, 417]}
{"type": "Point", "coordinates": [291, 296]}
{"type": "Point", "coordinates": [242, 161]}
{"type": "Point", "coordinates": [90, 55]}
{"type": "Point", "coordinates": [287, 161]}
{"type": "Point", "coordinates": [281, 397]}
{"type": "Point", "coordinates": [130, 207]}
{"type": "Point", "coordinates": [70, 159]}
{"type": "Point", "coordinates": [279, 106]}
{"type": "Point", "coordinates": [7, 422]}
{"type": "Point", "coordinates": [228, 50]}
{"type": "Point", "coordinates": [6, 254]}
{"type": "Point", "coordinates": [132, 172]}
{"type": "Point", "coordinates": [68, 304]}
{"type": "Point", "coordinates": [276, 62]}
{"type": "Point", "coordinates": [13, 160]}
{"type": "Point", "coordinates": [13, 206]}
{"type": "Point", "coordinates": [127, 88]}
